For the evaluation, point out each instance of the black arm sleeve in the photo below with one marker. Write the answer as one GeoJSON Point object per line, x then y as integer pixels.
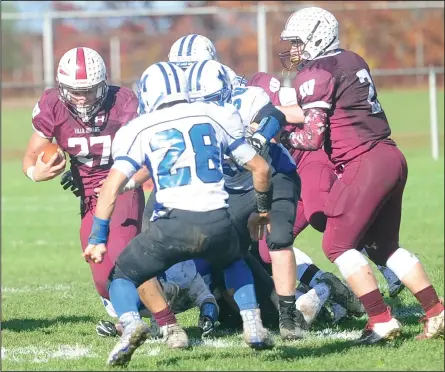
{"type": "Point", "coordinates": [270, 110]}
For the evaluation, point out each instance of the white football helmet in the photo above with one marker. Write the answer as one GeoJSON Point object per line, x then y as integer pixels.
{"type": "Point", "coordinates": [312, 32]}
{"type": "Point", "coordinates": [236, 80]}
{"type": "Point", "coordinates": [190, 49]}
{"type": "Point", "coordinates": [82, 81]}
{"type": "Point", "coordinates": [162, 82]}
{"type": "Point", "coordinates": [209, 81]}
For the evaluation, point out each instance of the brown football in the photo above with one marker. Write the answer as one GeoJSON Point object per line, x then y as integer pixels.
{"type": "Point", "coordinates": [49, 150]}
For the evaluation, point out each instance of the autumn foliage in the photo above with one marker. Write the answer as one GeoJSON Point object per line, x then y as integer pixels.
{"type": "Point", "coordinates": [388, 39]}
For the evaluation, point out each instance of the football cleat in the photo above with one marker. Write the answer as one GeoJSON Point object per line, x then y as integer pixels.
{"type": "Point", "coordinates": [174, 336]}
{"type": "Point", "coordinates": [254, 334]}
{"type": "Point", "coordinates": [292, 323]}
{"type": "Point", "coordinates": [134, 336]}
{"type": "Point", "coordinates": [432, 327]}
{"type": "Point", "coordinates": [106, 328]}
{"type": "Point", "coordinates": [377, 332]}
{"type": "Point", "coordinates": [342, 294]}
{"type": "Point", "coordinates": [208, 318]}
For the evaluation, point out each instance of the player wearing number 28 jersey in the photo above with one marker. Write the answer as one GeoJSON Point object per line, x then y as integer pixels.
{"type": "Point", "coordinates": [83, 115]}
{"type": "Point", "coordinates": [341, 111]}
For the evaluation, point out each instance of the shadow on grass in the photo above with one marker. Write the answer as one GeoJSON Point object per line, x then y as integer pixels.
{"type": "Point", "coordinates": [26, 325]}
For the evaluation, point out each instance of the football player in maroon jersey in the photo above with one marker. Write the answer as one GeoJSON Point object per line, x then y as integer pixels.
{"type": "Point", "coordinates": [83, 114]}
{"type": "Point", "coordinates": [317, 175]}
{"type": "Point", "coordinates": [341, 111]}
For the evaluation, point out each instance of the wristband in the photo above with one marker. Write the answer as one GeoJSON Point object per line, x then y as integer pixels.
{"type": "Point", "coordinates": [29, 173]}
{"type": "Point", "coordinates": [99, 231]}
{"type": "Point", "coordinates": [131, 184]}
{"type": "Point", "coordinates": [264, 200]}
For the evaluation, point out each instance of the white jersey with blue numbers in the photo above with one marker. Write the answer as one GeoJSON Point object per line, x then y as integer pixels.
{"type": "Point", "coordinates": [249, 101]}
{"type": "Point", "coordinates": [183, 147]}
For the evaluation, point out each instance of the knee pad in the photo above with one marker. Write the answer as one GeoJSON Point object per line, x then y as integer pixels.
{"type": "Point", "coordinates": [350, 262]}
{"type": "Point", "coordinates": [401, 262]}
{"type": "Point", "coordinates": [182, 273]}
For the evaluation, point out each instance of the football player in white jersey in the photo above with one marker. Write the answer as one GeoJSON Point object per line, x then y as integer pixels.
{"type": "Point", "coordinates": [182, 145]}
{"type": "Point", "coordinates": [193, 48]}
{"type": "Point", "coordinates": [208, 81]}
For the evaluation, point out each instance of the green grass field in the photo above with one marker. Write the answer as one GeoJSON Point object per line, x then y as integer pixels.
{"type": "Point", "coordinates": [50, 307]}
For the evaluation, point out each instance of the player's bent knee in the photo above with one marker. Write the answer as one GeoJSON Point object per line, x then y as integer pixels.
{"type": "Point", "coordinates": [401, 262]}
{"type": "Point", "coordinates": [350, 262]}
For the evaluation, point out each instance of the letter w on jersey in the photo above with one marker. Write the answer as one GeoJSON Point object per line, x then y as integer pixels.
{"type": "Point", "coordinates": [307, 88]}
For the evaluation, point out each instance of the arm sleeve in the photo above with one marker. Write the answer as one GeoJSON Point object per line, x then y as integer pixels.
{"type": "Point", "coordinates": [42, 119]}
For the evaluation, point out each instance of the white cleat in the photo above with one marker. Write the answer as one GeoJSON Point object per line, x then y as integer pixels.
{"type": "Point", "coordinates": [377, 332]}
{"type": "Point", "coordinates": [254, 333]}
{"type": "Point", "coordinates": [433, 327]}
{"type": "Point", "coordinates": [134, 335]}
{"type": "Point", "coordinates": [174, 336]}
{"type": "Point", "coordinates": [310, 303]}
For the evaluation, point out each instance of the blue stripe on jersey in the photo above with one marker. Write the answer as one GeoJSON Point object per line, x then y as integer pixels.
{"type": "Point", "coordinates": [235, 144]}
{"type": "Point", "coordinates": [198, 79]}
{"type": "Point", "coordinates": [181, 46]}
{"type": "Point", "coordinates": [164, 73]}
{"type": "Point", "coordinates": [133, 162]}
{"type": "Point", "coordinates": [191, 77]}
{"type": "Point", "coordinates": [189, 48]}
{"type": "Point", "coordinates": [175, 75]}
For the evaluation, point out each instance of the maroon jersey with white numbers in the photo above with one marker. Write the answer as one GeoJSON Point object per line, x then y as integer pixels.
{"type": "Point", "coordinates": [341, 84]}
{"type": "Point", "coordinates": [88, 144]}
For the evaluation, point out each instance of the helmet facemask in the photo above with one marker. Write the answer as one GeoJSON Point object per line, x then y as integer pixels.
{"type": "Point", "coordinates": [84, 102]}
{"type": "Point", "coordinates": [298, 55]}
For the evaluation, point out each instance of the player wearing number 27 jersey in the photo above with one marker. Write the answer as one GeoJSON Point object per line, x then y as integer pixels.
{"type": "Point", "coordinates": [83, 114]}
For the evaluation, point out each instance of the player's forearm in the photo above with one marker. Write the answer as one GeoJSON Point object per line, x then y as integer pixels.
{"type": "Point", "coordinates": [141, 176]}
{"type": "Point", "coordinates": [294, 114]}
{"type": "Point", "coordinates": [311, 136]}
{"type": "Point", "coordinates": [106, 202]}
{"type": "Point", "coordinates": [260, 173]}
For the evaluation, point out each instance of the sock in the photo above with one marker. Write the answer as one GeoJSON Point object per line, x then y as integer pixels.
{"type": "Point", "coordinates": [314, 279]}
{"type": "Point", "coordinates": [429, 301]}
{"type": "Point", "coordinates": [375, 307]}
{"type": "Point", "coordinates": [165, 317]}
{"type": "Point", "coordinates": [239, 278]}
{"type": "Point", "coordinates": [286, 301]}
{"type": "Point", "coordinates": [124, 297]}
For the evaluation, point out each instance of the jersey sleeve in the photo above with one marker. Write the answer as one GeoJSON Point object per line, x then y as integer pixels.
{"type": "Point", "coordinates": [130, 108]}
{"type": "Point", "coordinates": [315, 89]}
{"type": "Point", "coordinates": [237, 147]}
{"type": "Point", "coordinates": [42, 119]}
{"type": "Point", "coordinates": [127, 151]}
{"type": "Point", "coordinates": [260, 100]}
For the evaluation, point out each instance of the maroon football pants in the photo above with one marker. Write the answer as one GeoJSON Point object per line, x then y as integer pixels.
{"type": "Point", "coordinates": [317, 175]}
{"type": "Point", "coordinates": [125, 224]}
{"type": "Point", "coordinates": [364, 206]}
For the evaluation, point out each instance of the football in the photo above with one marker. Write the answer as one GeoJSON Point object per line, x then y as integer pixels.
{"type": "Point", "coordinates": [49, 150]}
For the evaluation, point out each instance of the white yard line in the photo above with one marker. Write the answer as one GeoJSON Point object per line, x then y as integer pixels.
{"type": "Point", "coordinates": [45, 287]}
{"type": "Point", "coordinates": [44, 355]}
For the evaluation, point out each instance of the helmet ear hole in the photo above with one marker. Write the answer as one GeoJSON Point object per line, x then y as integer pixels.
{"type": "Point", "coordinates": [318, 42]}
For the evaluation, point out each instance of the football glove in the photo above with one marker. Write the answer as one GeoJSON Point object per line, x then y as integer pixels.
{"type": "Point", "coordinates": [68, 181]}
